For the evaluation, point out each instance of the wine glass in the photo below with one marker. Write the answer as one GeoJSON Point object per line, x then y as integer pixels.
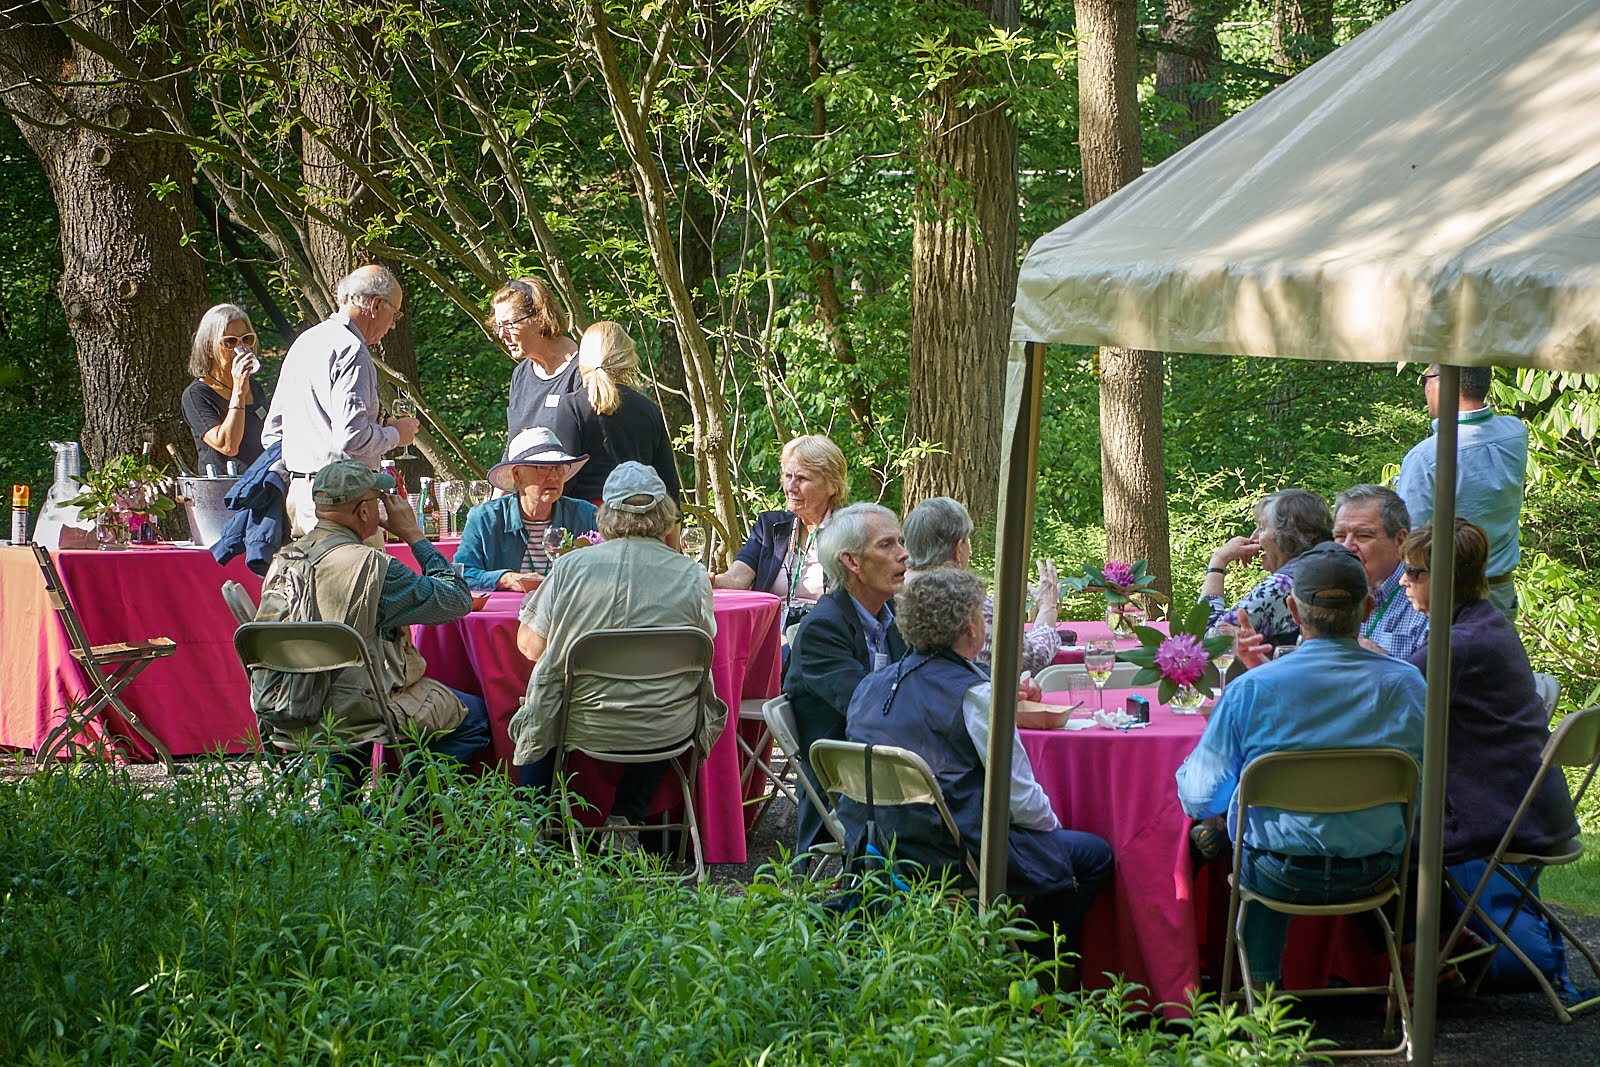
{"type": "Point", "coordinates": [554, 538]}
{"type": "Point", "coordinates": [693, 541]}
{"type": "Point", "coordinates": [1098, 659]}
{"type": "Point", "coordinates": [1223, 659]}
{"type": "Point", "coordinates": [403, 408]}
{"type": "Point", "coordinates": [451, 496]}
{"type": "Point", "coordinates": [479, 490]}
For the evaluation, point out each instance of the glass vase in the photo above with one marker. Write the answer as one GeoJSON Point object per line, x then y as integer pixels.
{"type": "Point", "coordinates": [1122, 618]}
{"type": "Point", "coordinates": [1186, 701]}
{"type": "Point", "coordinates": [113, 532]}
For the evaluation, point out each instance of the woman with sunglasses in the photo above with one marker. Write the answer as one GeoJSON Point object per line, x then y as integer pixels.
{"type": "Point", "coordinates": [526, 317]}
{"type": "Point", "coordinates": [224, 406]}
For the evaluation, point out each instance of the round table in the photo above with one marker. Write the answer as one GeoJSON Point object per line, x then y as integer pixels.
{"type": "Point", "coordinates": [478, 654]}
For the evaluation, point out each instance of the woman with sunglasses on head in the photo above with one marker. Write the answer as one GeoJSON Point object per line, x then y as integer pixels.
{"type": "Point", "coordinates": [526, 317]}
{"type": "Point", "coordinates": [224, 406]}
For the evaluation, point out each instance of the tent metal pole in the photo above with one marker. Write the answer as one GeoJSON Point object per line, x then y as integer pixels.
{"type": "Point", "coordinates": [1019, 464]}
{"type": "Point", "coordinates": [1441, 591]}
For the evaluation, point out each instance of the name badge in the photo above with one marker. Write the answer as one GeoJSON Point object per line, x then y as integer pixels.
{"type": "Point", "coordinates": [551, 401]}
{"type": "Point", "coordinates": [880, 660]}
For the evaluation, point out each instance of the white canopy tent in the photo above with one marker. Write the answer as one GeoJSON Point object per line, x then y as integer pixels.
{"type": "Point", "coordinates": [1430, 192]}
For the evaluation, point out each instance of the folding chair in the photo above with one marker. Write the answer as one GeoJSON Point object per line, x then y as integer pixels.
{"type": "Point", "coordinates": [1575, 743]}
{"type": "Point", "coordinates": [1053, 679]}
{"type": "Point", "coordinates": [313, 648]}
{"type": "Point", "coordinates": [1549, 692]}
{"type": "Point", "coordinates": [1326, 782]}
{"type": "Point", "coordinates": [662, 655]}
{"type": "Point", "coordinates": [780, 720]}
{"type": "Point", "coordinates": [884, 776]}
{"type": "Point", "coordinates": [238, 601]}
{"type": "Point", "coordinates": [751, 711]}
{"type": "Point", "coordinates": [108, 667]}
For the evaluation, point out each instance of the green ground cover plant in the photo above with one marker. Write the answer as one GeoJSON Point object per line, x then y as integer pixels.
{"type": "Point", "coordinates": [221, 920]}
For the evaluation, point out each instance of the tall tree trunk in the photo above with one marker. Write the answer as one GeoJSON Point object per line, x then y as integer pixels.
{"type": "Point", "coordinates": [1132, 463]}
{"type": "Point", "coordinates": [132, 288]}
{"type": "Point", "coordinates": [963, 285]}
{"type": "Point", "coordinates": [1184, 77]}
{"type": "Point", "coordinates": [1302, 32]}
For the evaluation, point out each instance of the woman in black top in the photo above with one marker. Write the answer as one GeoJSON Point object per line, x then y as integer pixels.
{"type": "Point", "coordinates": [224, 406]}
{"type": "Point", "coordinates": [608, 418]}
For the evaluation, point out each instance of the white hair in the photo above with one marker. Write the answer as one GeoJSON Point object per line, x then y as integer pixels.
{"type": "Point", "coordinates": [847, 532]}
{"type": "Point", "coordinates": [366, 282]}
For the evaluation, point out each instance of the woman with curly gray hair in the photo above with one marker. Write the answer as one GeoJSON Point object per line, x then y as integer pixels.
{"type": "Point", "coordinates": [1288, 523]}
{"type": "Point", "coordinates": [935, 702]}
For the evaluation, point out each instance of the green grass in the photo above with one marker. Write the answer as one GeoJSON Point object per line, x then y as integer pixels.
{"type": "Point", "coordinates": [212, 921]}
{"type": "Point", "coordinates": [1577, 885]}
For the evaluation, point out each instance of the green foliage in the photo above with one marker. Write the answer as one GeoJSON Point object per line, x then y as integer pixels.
{"type": "Point", "coordinates": [1577, 885]}
{"type": "Point", "coordinates": [226, 920]}
{"type": "Point", "coordinates": [125, 485]}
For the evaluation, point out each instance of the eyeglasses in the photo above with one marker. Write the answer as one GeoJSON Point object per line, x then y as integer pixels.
{"type": "Point", "coordinates": [230, 341]}
{"type": "Point", "coordinates": [502, 327]}
{"type": "Point", "coordinates": [399, 315]}
{"type": "Point", "coordinates": [1415, 572]}
{"type": "Point", "coordinates": [1426, 378]}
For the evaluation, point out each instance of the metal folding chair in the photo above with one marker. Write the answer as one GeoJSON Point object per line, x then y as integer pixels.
{"type": "Point", "coordinates": [780, 720]}
{"type": "Point", "coordinates": [1053, 679]}
{"type": "Point", "coordinates": [885, 776]}
{"type": "Point", "coordinates": [1575, 743]}
{"type": "Point", "coordinates": [238, 601]}
{"type": "Point", "coordinates": [109, 669]}
{"type": "Point", "coordinates": [1326, 782]}
{"type": "Point", "coordinates": [751, 711]}
{"type": "Point", "coordinates": [664, 655]}
{"type": "Point", "coordinates": [315, 648]}
{"type": "Point", "coordinates": [1549, 691]}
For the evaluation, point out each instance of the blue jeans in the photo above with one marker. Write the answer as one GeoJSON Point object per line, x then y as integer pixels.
{"type": "Point", "coordinates": [1300, 880]}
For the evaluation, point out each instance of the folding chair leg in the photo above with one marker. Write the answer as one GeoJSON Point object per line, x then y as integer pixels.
{"type": "Point", "coordinates": [689, 817]}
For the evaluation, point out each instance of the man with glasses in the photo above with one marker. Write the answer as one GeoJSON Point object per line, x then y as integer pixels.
{"type": "Point", "coordinates": [1491, 460]}
{"type": "Point", "coordinates": [325, 407]}
{"type": "Point", "coordinates": [527, 318]}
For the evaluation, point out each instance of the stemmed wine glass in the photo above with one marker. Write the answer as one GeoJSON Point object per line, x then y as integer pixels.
{"type": "Point", "coordinates": [479, 490]}
{"type": "Point", "coordinates": [1223, 659]}
{"type": "Point", "coordinates": [403, 408]}
{"type": "Point", "coordinates": [553, 538]}
{"type": "Point", "coordinates": [1098, 658]}
{"type": "Point", "coordinates": [693, 541]}
{"type": "Point", "coordinates": [451, 496]}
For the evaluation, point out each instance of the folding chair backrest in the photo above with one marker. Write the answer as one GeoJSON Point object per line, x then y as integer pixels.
{"type": "Point", "coordinates": [238, 601]}
{"type": "Point", "coordinates": [61, 603]}
{"type": "Point", "coordinates": [899, 776]}
{"type": "Point", "coordinates": [1330, 781]}
{"type": "Point", "coordinates": [1053, 679]}
{"type": "Point", "coordinates": [1576, 741]}
{"type": "Point", "coordinates": [309, 648]}
{"type": "Point", "coordinates": [780, 720]}
{"type": "Point", "coordinates": [670, 656]}
{"type": "Point", "coordinates": [1549, 691]}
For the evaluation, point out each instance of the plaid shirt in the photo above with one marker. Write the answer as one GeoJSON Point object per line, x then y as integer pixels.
{"type": "Point", "coordinates": [1394, 625]}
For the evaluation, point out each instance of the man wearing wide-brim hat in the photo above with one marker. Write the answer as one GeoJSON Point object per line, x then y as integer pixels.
{"type": "Point", "coordinates": [505, 543]}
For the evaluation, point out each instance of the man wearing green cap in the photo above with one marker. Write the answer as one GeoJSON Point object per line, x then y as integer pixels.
{"type": "Point", "coordinates": [381, 598]}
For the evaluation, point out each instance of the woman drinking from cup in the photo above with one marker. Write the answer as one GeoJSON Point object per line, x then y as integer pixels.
{"type": "Point", "coordinates": [224, 406]}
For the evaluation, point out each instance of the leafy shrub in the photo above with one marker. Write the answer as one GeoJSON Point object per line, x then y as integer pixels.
{"type": "Point", "coordinates": [220, 920]}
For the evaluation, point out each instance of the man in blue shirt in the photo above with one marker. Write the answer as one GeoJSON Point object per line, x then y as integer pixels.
{"type": "Point", "coordinates": [1372, 522]}
{"type": "Point", "coordinates": [1330, 693]}
{"type": "Point", "coordinates": [1491, 460]}
{"type": "Point", "coordinates": [849, 634]}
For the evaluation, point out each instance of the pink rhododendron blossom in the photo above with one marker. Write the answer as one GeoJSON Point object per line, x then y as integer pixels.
{"type": "Point", "coordinates": [593, 537]}
{"type": "Point", "coordinates": [1118, 573]}
{"type": "Point", "coordinates": [1182, 659]}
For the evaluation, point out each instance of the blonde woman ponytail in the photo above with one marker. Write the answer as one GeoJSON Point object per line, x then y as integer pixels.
{"type": "Point", "coordinates": [607, 359]}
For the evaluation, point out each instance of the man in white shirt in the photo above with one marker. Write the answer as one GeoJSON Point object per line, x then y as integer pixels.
{"type": "Point", "coordinates": [325, 407]}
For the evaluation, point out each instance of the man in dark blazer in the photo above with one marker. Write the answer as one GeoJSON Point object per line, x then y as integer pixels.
{"type": "Point", "coordinates": [849, 634]}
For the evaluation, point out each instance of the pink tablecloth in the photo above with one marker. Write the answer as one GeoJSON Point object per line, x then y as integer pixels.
{"type": "Point", "coordinates": [196, 700]}
{"type": "Point", "coordinates": [1158, 923]}
{"type": "Point", "coordinates": [1089, 630]}
{"type": "Point", "coordinates": [479, 654]}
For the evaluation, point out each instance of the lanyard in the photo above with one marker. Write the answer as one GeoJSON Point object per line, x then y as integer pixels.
{"type": "Point", "coordinates": [1377, 616]}
{"type": "Point", "coordinates": [799, 557]}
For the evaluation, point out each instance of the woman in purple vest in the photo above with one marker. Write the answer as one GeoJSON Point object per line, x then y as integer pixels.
{"type": "Point", "coordinates": [935, 702]}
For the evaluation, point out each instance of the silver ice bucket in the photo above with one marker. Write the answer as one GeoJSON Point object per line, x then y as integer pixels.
{"type": "Point", "coordinates": [202, 500]}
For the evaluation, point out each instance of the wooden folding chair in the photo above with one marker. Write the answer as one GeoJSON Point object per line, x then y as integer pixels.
{"type": "Point", "coordinates": [108, 667]}
{"type": "Point", "coordinates": [885, 776]}
{"type": "Point", "coordinates": [1326, 782]}
{"type": "Point", "coordinates": [1575, 743]}
{"type": "Point", "coordinates": [664, 655]}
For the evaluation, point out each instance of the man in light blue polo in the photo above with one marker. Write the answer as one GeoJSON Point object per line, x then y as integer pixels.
{"type": "Point", "coordinates": [1329, 693]}
{"type": "Point", "coordinates": [1491, 461]}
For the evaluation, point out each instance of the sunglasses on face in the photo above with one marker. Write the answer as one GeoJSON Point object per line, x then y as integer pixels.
{"type": "Point", "coordinates": [248, 340]}
{"type": "Point", "coordinates": [1415, 572]}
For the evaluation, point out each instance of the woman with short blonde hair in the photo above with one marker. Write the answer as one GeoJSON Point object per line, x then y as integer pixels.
{"type": "Point", "coordinates": [609, 418]}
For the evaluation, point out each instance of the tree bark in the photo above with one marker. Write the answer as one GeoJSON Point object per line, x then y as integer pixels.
{"type": "Point", "coordinates": [1302, 32]}
{"type": "Point", "coordinates": [1132, 461]}
{"type": "Point", "coordinates": [963, 286]}
{"type": "Point", "coordinates": [1183, 77]}
{"type": "Point", "coordinates": [132, 288]}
